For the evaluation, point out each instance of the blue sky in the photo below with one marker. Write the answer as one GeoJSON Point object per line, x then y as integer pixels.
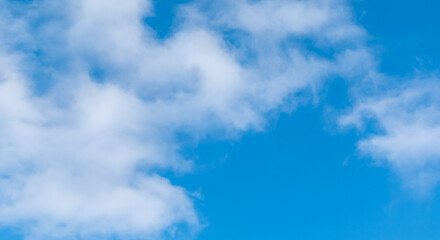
{"type": "Point", "coordinates": [220, 120]}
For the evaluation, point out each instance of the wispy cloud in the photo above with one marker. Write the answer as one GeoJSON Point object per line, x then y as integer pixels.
{"type": "Point", "coordinates": [407, 123]}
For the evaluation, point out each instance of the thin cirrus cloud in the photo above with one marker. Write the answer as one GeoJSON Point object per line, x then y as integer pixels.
{"type": "Point", "coordinates": [91, 100]}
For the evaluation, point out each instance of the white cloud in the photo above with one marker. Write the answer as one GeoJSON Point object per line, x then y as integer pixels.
{"type": "Point", "coordinates": [408, 122]}
{"type": "Point", "coordinates": [329, 20]}
{"type": "Point", "coordinates": [79, 156]}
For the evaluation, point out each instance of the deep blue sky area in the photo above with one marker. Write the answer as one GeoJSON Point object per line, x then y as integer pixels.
{"type": "Point", "coordinates": [300, 178]}
{"type": "Point", "coordinates": [292, 189]}
{"type": "Point", "coordinates": [405, 32]}
{"type": "Point", "coordinates": [164, 16]}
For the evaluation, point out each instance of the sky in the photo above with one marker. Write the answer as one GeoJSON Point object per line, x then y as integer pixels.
{"type": "Point", "coordinates": [228, 119]}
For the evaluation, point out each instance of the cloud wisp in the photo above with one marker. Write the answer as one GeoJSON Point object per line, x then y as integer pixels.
{"type": "Point", "coordinates": [407, 120]}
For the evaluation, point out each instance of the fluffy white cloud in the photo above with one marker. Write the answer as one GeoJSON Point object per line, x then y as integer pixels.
{"type": "Point", "coordinates": [83, 165]}
{"type": "Point", "coordinates": [79, 150]}
{"type": "Point", "coordinates": [407, 120]}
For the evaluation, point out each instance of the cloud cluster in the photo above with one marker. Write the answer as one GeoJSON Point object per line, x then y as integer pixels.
{"type": "Point", "coordinates": [91, 101]}
{"type": "Point", "coordinates": [407, 123]}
